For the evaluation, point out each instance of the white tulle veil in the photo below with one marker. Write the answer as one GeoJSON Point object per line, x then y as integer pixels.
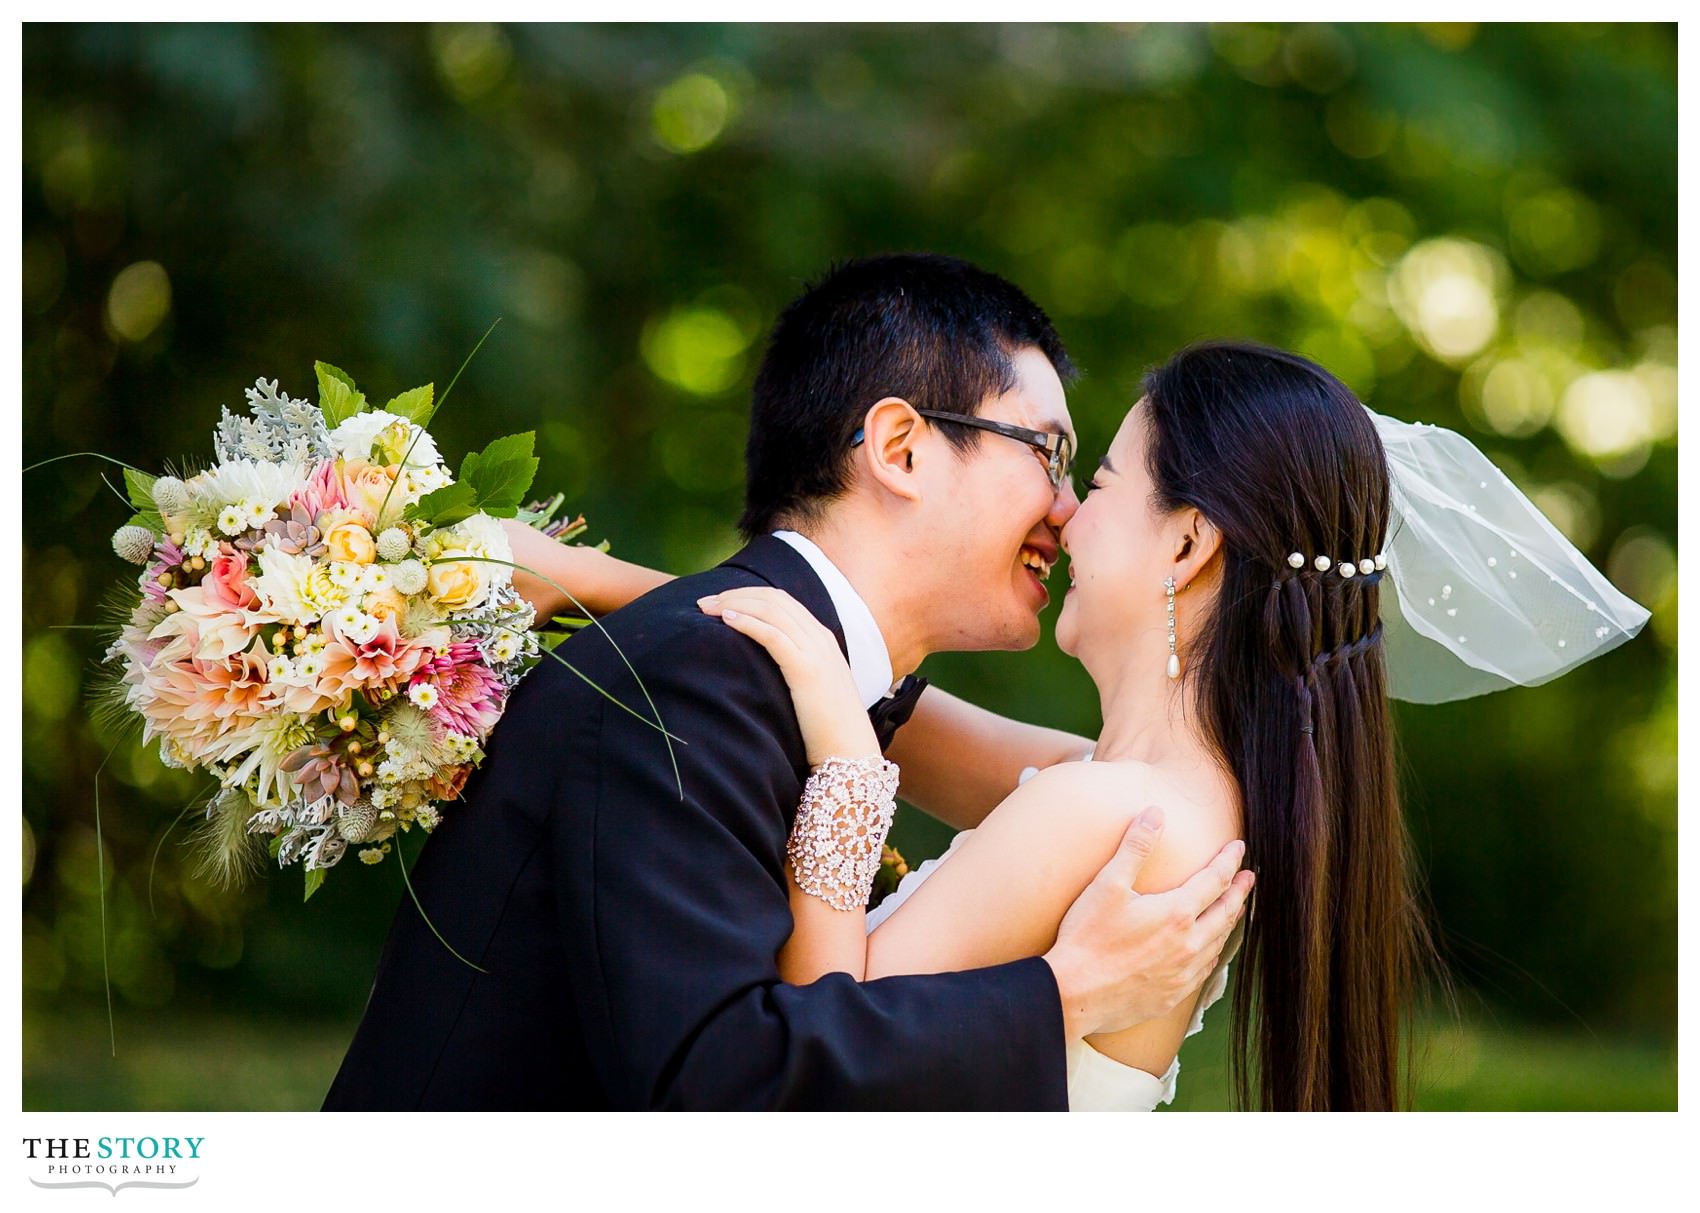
{"type": "Point", "coordinates": [1487, 593]}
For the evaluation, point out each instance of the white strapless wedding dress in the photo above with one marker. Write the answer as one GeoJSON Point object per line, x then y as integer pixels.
{"type": "Point", "coordinates": [1096, 1083]}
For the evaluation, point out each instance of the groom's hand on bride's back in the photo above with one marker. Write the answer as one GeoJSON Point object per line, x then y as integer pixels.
{"type": "Point", "coordinates": [1122, 958]}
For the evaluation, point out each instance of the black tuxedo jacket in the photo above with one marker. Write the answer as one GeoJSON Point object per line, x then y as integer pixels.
{"type": "Point", "coordinates": [627, 933]}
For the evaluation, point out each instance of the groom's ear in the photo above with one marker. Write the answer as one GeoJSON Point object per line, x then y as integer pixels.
{"type": "Point", "coordinates": [891, 429]}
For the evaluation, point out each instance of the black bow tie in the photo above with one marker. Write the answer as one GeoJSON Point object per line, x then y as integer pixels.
{"type": "Point", "coordinates": [890, 713]}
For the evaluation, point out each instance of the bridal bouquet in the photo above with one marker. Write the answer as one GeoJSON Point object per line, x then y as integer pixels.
{"type": "Point", "coordinates": [325, 619]}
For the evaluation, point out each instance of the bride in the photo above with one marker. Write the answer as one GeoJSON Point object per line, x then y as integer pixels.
{"type": "Point", "coordinates": [1227, 569]}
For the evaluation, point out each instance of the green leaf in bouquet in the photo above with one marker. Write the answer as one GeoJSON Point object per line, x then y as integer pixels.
{"type": "Point", "coordinates": [139, 486]}
{"type": "Point", "coordinates": [315, 878]}
{"type": "Point", "coordinates": [445, 506]}
{"type": "Point", "coordinates": [339, 399]}
{"type": "Point", "coordinates": [413, 404]}
{"type": "Point", "coordinates": [501, 473]}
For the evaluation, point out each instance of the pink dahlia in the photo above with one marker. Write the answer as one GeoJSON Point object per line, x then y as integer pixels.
{"type": "Point", "coordinates": [469, 696]}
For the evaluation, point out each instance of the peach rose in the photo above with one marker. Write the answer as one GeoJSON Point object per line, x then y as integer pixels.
{"type": "Point", "coordinates": [383, 604]}
{"type": "Point", "coordinates": [366, 486]}
{"type": "Point", "coordinates": [351, 542]}
{"type": "Point", "coordinates": [456, 583]}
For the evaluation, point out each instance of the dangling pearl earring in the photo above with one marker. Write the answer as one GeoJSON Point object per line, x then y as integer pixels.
{"type": "Point", "coordinates": [1174, 657]}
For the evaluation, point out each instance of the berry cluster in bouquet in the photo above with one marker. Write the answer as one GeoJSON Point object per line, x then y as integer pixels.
{"type": "Point", "coordinates": [325, 619]}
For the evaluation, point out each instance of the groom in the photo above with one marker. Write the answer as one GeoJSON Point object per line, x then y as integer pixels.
{"type": "Point", "coordinates": [619, 898]}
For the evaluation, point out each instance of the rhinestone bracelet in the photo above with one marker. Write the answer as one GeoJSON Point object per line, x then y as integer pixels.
{"type": "Point", "coordinates": [842, 821]}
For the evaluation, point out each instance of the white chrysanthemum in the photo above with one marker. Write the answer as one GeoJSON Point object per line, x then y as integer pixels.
{"type": "Point", "coordinates": [279, 669]}
{"type": "Point", "coordinates": [133, 543]}
{"type": "Point", "coordinates": [345, 574]}
{"type": "Point", "coordinates": [420, 481]}
{"type": "Point", "coordinates": [391, 435]}
{"type": "Point", "coordinates": [503, 648]}
{"type": "Point", "coordinates": [280, 734]}
{"type": "Point", "coordinates": [408, 577]}
{"type": "Point", "coordinates": [313, 643]}
{"type": "Point", "coordinates": [294, 589]}
{"type": "Point", "coordinates": [374, 577]}
{"type": "Point", "coordinates": [394, 545]}
{"type": "Point", "coordinates": [311, 664]}
{"type": "Point", "coordinates": [423, 695]}
{"type": "Point", "coordinates": [252, 481]}
{"type": "Point", "coordinates": [428, 818]}
{"type": "Point", "coordinates": [257, 513]}
{"type": "Point", "coordinates": [231, 520]}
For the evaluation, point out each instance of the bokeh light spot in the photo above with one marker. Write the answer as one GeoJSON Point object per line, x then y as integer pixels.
{"type": "Point", "coordinates": [472, 59]}
{"type": "Point", "coordinates": [140, 299]}
{"type": "Point", "coordinates": [699, 349]}
{"type": "Point", "coordinates": [690, 113]}
{"type": "Point", "coordinates": [50, 674]}
{"type": "Point", "coordinates": [1444, 290]}
{"type": "Point", "coordinates": [1508, 396]}
{"type": "Point", "coordinates": [1606, 415]}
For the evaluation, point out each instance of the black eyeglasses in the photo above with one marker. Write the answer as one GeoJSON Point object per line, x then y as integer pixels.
{"type": "Point", "coordinates": [1058, 449]}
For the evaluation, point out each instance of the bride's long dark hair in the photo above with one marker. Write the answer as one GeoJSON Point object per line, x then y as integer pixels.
{"type": "Point", "coordinates": [1292, 689]}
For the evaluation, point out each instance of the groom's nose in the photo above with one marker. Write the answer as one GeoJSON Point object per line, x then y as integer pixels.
{"type": "Point", "coordinates": [1063, 504]}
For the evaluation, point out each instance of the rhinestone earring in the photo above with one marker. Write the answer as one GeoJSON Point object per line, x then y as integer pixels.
{"type": "Point", "coordinates": [1174, 656]}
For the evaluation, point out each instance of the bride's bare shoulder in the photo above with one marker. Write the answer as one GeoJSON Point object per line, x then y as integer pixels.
{"type": "Point", "coordinates": [1087, 806]}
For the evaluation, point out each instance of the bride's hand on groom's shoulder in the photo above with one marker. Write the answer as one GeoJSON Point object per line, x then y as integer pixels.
{"type": "Point", "coordinates": [829, 709]}
{"type": "Point", "coordinates": [1123, 958]}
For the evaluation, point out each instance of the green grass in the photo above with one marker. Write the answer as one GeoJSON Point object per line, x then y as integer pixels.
{"type": "Point", "coordinates": [1482, 1066]}
{"type": "Point", "coordinates": [178, 1063]}
{"type": "Point", "coordinates": [203, 1062]}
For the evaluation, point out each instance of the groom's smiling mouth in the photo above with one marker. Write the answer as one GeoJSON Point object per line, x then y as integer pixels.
{"type": "Point", "coordinates": [1038, 561]}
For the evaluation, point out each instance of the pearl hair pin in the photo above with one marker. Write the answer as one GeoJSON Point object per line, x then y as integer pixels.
{"type": "Point", "coordinates": [1348, 568]}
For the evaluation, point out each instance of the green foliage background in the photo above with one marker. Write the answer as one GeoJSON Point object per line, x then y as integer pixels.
{"type": "Point", "coordinates": [1472, 226]}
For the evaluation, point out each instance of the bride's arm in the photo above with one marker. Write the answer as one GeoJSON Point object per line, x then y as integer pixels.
{"type": "Point", "coordinates": [599, 581]}
{"type": "Point", "coordinates": [960, 760]}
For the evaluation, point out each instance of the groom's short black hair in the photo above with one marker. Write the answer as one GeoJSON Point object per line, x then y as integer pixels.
{"type": "Point", "coordinates": [933, 330]}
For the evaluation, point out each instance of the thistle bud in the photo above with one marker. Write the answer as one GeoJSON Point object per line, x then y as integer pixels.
{"type": "Point", "coordinates": [133, 543]}
{"type": "Point", "coordinates": [356, 821]}
{"type": "Point", "coordinates": [171, 495]}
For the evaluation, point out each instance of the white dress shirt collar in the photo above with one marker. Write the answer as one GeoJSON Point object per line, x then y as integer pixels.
{"type": "Point", "coordinates": [870, 660]}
